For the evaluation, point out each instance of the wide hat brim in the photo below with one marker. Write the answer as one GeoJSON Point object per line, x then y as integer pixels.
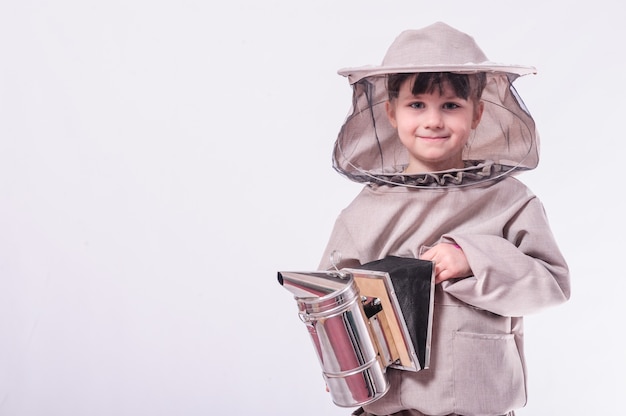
{"type": "Point", "coordinates": [358, 73]}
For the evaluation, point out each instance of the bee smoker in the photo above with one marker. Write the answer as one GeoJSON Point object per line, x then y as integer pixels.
{"type": "Point", "coordinates": [364, 320]}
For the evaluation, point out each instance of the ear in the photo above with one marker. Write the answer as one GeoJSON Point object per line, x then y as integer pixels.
{"type": "Point", "coordinates": [391, 113]}
{"type": "Point", "coordinates": [478, 114]}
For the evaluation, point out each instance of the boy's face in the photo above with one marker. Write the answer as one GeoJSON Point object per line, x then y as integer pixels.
{"type": "Point", "coordinates": [433, 127]}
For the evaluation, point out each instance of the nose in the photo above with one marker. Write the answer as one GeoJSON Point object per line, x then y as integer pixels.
{"type": "Point", "coordinates": [433, 118]}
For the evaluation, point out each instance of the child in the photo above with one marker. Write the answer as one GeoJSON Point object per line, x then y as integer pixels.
{"type": "Point", "coordinates": [437, 133]}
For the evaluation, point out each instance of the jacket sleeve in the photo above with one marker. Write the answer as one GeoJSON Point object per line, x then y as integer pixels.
{"type": "Point", "coordinates": [515, 274]}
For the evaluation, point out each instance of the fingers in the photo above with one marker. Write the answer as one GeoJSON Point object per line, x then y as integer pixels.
{"type": "Point", "coordinates": [450, 261]}
{"type": "Point", "coordinates": [442, 275]}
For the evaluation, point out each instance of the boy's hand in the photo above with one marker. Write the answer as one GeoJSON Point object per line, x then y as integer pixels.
{"type": "Point", "coordinates": [450, 262]}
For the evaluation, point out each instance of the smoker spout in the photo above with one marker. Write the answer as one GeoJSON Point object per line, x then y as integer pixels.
{"type": "Point", "coordinates": [313, 284]}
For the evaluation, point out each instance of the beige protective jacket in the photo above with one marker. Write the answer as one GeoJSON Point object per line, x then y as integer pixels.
{"type": "Point", "coordinates": [477, 357]}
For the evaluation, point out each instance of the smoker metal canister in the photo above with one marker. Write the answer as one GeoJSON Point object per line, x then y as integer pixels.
{"type": "Point", "coordinates": [330, 306]}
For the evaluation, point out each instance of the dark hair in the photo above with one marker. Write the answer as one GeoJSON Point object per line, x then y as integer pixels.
{"type": "Point", "coordinates": [466, 86]}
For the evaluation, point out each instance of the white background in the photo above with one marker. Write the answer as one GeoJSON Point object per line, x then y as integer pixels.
{"type": "Point", "coordinates": [160, 161]}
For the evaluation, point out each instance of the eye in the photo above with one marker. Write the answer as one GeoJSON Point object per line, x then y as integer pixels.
{"type": "Point", "coordinates": [451, 106]}
{"type": "Point", "coordinates": [416, 104]}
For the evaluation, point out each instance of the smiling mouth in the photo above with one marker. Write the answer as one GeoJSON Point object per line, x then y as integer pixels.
{"type": "Point", "coordinates": [432, 138]}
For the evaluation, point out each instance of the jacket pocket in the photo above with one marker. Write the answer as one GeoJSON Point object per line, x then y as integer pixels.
{"type": "Point", "coordinates": [488, 374]}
